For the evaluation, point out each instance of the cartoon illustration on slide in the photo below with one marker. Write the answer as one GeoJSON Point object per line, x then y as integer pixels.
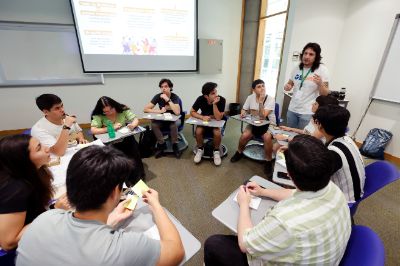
{"type": "Point", "coordinates": [139, 46]}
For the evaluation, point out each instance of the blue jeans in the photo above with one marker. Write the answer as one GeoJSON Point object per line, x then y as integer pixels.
{"type": "Point", "coordinates": [297, 120]}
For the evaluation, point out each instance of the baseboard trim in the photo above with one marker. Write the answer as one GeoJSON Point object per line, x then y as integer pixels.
{"type": "Point", "coordinates": [388, 157]}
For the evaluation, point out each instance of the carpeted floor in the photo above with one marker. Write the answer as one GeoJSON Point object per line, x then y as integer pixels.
{"type": "Point", "coordinates": [190, 192]}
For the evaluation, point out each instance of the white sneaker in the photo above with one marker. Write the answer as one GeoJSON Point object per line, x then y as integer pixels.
{"type": "Point", "coordinates": [198, 156]}
{"type": "Point", "coordinates": [217, 158]}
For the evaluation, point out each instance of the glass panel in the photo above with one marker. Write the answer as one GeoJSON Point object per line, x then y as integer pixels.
{"type": "Point", "coordinates": [276, 6]}
{"type": "Point", "coordinates": [273, 41]}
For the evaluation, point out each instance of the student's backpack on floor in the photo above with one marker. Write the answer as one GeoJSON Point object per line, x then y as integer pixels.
{"type": "Point", "coordinates": [375, 143]}
{"type": "Point", "coordinates": [147, 143]}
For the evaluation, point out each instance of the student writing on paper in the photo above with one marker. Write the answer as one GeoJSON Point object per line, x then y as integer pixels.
{"type": "Point", "coordinates": [56, 129]}
{"type": "Point", "coordinates": [318, 238]}
{"type": "Point", "coordinates": [212, 106]}
{"type": "Point", "coordinates": [89, 235]}
{"type": "Point", "coordinates": [25, 186]}
{"type": "Point", "coordinates": [168, 102]}
{"type": "Point", "coordinates": [107, 110]}
{"type": "Point", "coordinates": [261, 105]}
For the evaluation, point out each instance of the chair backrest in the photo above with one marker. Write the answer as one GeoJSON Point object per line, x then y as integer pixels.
{"type": "Point", "coordinates": [183, 114]}
{"type": "Point", "coordinates": [27, 131]}
{"type": "Point", "coordinates": [378, 175]}
{"type": "Point", "coordinates": [278, 119]}
{"type": "Point", "coordinates": [364, 248]}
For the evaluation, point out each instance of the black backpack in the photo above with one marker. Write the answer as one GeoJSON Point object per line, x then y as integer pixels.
{"type": "Point", "coordinates": [147, 143]}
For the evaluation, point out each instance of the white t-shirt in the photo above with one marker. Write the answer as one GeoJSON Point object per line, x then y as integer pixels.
{"type": "Point", "coordinates": [47, 133]}
{"type": "Point", "coordinates": [269, 104]}
{"type": "Point", "coordinates": [303, 98]}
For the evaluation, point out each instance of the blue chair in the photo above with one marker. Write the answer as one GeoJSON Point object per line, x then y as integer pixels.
{"type": "Point", "coordinates": [378, 175]}
{"type": "Point", "coordinates": [26, 132]}
{"type": "Point", "coordinates": [7, 258]}
{"type": "Point", "coordinates": [208, 144]}
{"type": "Point", "coordinates": [364, 248]}
{"type": "Point", "coordinates": [182, 142]}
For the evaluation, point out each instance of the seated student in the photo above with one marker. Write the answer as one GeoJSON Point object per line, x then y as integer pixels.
{"type": "Point", "coordinates": [56, 129]}
{"type": "Point", "coordinates": [212, 106]}
{"type": "Point", "coordinates": [310, 225]}
{"type": "Point", "coordinates": [349, 172]}
{"type": "Point", "coordinates": [168, 102]}
{"type": "Point", "coordinates": [25, 186]}
{"type": "Point", "coordinates": [89, 235]}
{"type": "Point", "coordinates": [311, 129]}
{"type": "Point", "coordinates": [107, 110]}
{"type": "Point", "coordinates": [258, 104]}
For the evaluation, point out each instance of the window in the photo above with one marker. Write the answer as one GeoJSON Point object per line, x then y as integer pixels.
{"type": "Point", "coordinates": [271, 30]}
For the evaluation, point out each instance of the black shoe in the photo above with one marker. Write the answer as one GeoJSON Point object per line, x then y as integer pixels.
{"type": "Point", "coordinates": [176, 150]}
{"type": "Point", "coordinates": [268, 171]}
{"type": "Point", "coordinates": [160, 150]}
{"type": "Point", "coordinates": [236, 157]}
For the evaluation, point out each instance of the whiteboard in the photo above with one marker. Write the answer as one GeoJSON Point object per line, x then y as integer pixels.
{"type": "Point", "coordinates": [386, 86]}
{"type": "Point", "coordinates": [41, 54]}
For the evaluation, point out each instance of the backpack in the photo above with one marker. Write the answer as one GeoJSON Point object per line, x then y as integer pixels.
{"type": "Point", "coordinates": [147, 143]}
{"type": "Point", "coordinates": [375, 143]}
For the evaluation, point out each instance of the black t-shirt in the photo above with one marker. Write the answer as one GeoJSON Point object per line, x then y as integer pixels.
{"type": "Point", "coordinates": [18, 196]}
{"type": "Point", "coordinates": [162, 103]}
{"type": "Point", "coordinates": [207, 109]}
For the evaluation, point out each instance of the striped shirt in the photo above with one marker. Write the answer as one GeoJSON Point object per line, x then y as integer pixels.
{"type": "Point", "coordinates": [307, 228]}
{"type": "Point", "coordinates": [350, 173]}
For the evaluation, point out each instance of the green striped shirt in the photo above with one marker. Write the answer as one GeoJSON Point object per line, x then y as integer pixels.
{"type": "Point", "coordinates": [309, 228]}
{"type": "Point", "coordinates": [123, 118]}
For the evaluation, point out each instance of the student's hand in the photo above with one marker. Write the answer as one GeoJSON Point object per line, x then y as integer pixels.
{"type": "Point", "coordinates": [206, 118]}
{"type": "Point", "coordinates": [163, 110]}
{"type": "Point", "coordinates": [285, 128]}
{"type": "Point", "coordinates": [63, 203]}
{"type": "Point", "coordinates": [254, 188]}
{"type": "Point", "coordinates": [151, 198]}
{"type": "Point", "coordinates": [280, 137]}
{"type": "Point", "coordinates": [243, 197]}
{"type": "Point", "coordinates": [82, 141]}
{"type": "Point", "coordinates": [216, 100]}
{"type": "Point", "coordinates": [119, 214]}
{"type": "Point", "coordinates": [117, 126]}
{"type": "Point", "coordinates": [288, 87]}
{"type": "Point", "coordinates": [317, 79]}
{"type": "Point", "coordinates": [131, 127]}
{"type": "Point", "coordinates": [164, 97]}
{"type": "Point", "coordinates": [243, 114]}
{"type": "Point", "coordinates": [69, 120]}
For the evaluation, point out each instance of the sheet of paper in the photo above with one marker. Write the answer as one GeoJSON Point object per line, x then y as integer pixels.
{"type": "Point", "coordinates": [152, 232]}
{"type": "Point", "coordinates": [140, 187]}
{"type": "Point", "coordinates": [131, 204]}
{"type": "Point", "coordinates": [254, 203]}
{"type": "Point", "coordinates": [124, 130]}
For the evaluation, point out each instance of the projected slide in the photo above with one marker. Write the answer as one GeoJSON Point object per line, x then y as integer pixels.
{"type": "Point", "coordinates": [137, 27]}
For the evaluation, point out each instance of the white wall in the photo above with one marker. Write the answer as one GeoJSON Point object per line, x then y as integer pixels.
{"type": "Point", "coordinates": [353, 35]}
{"type": "Point", "coordinates": [312, 21]}
{"type": "Point", "coordinates": [217, 19]}
{"type": "Point", "coordinates": [365, 35]}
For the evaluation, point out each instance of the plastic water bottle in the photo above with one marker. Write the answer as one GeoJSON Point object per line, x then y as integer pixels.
{"type": "Point", "coordinates": [110, 130]}
{"type": "Point", "coordinates": [342, 93]}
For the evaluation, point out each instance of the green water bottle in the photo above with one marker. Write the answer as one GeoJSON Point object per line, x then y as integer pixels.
{"type": "Point", "coordinates": [110, 130]}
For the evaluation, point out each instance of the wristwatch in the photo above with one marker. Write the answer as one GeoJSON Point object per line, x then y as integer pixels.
{"type": "Point", "coordinates": [66, 127]}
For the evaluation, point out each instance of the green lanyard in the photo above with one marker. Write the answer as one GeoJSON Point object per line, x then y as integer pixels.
{"type": "Point", "coordinates": [303, 78]}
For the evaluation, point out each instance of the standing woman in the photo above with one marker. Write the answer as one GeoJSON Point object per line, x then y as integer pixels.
{"type": "Point", "coordinates": [308, 81]}
{"type": "Point", "coordinates": [108, 110]}
{"type": "Point", "coordinates": [25, 186]}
